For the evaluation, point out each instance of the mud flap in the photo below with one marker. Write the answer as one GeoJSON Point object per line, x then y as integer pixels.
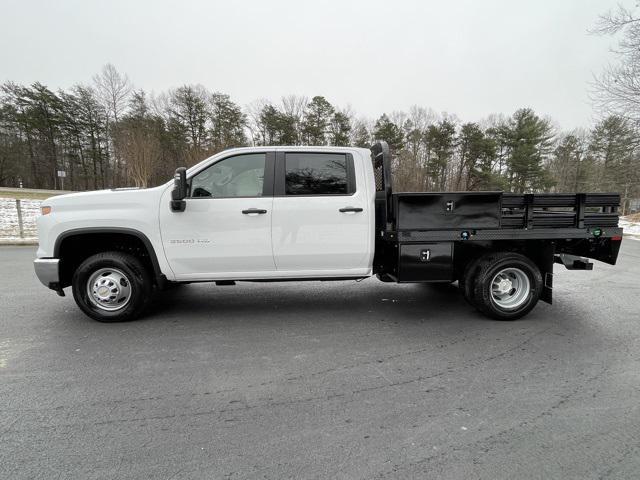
{"type": "Point", "coordinates": [545, 264]}
{"type": "Point", "coordinates": [547, 288]}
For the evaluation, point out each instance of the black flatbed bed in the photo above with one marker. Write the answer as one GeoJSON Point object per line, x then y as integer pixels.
{"type": "Point", "coordinates": [416, 228]}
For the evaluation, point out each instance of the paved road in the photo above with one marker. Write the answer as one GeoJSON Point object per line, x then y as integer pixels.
{"type": "Point", "coordinates": [322, 380]}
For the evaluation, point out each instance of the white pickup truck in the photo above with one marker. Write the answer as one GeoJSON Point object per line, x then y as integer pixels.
{"type": "Point", "coordinates": [314, 213]}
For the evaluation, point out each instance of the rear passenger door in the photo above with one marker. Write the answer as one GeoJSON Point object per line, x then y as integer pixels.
{"type": "Point", "coordinates": [320, 223]}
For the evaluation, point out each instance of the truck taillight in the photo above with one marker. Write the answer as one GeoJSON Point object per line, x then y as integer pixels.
{"type": "Point", "coordinates": [45, 210]}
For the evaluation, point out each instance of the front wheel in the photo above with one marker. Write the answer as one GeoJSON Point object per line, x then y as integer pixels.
{"type": "Point", "coordinates": [506, 285]}
{"type": "Point", "coordinates": [112, 287]}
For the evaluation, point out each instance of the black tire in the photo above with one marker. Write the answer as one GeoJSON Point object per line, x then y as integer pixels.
{"type": "Point", "coordinates": [491, 265]}
{"type": "Point", "coordinates": [139, 282]}
{"type": "Point", "coordinates": [466, 281]}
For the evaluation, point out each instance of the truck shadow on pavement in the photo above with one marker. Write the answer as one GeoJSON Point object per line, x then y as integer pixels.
{"type": "Point", "coordinates": [347, 301]}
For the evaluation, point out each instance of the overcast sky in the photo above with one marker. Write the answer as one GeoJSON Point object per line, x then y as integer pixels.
{"type": "Point", "coordinates": [467, 57]}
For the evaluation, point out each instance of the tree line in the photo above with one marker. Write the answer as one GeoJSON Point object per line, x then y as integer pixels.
{"type": "Point", "coordinates": [108, 134]}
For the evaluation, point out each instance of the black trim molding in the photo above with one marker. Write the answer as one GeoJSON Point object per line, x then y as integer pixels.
{"type": "Point", "coordinates": [126, 231]}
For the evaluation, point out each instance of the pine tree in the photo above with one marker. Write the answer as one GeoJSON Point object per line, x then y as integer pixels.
{"type": "Point", "coordinates": [529, 139]}
{"type": "Point", "coordinates": [360, 136]}
{"type": "Point", "coordinates": [388, 131]}
{"type": "Point", "coordinates": [571, 166]}
{"type": "Point", "coordinates": [279, 128]}
{"type": "Point", "coordinates": [441, 140]}
{"type": "Point", "coordinates": [188, 113]}
{"type": "Point", "coordinates": [477, 155]}
{"type": "Point", "coordinates": [227, 123]}
{"type": "Point", "coordinates": [317, 118]}
{"type": "Point", "coordinates": [614, 148]}
{"type": "Point", "coordinates": [340, 129]}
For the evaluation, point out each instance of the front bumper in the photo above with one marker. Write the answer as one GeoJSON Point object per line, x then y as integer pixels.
{"type": "Point", "coordinates": [47, 271]}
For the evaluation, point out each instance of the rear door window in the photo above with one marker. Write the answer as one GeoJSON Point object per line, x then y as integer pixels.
{"type": "Point", "coordinates": [319, 174]}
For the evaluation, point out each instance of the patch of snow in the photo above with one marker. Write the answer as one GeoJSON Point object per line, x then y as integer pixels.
{"type": "Point", "coordinates": [9, 229]}
{"type": "Point", "coordinates": [630, 229]}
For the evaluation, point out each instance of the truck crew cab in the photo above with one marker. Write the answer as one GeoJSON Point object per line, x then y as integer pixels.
{"type": "Point", "coordinates": [315, 213]}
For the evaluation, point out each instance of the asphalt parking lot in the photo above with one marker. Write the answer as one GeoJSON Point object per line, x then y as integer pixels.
{"type": "Point", "coordinates": [322, 380]}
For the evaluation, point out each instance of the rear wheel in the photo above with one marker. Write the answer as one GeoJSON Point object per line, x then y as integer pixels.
{"type": "Point", "coordinates": [112, 287]}
{"type": "Point", "coordinates": [506, 285]}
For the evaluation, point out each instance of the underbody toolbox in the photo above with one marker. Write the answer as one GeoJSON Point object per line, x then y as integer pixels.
{"type": "Point", "coordinates": [425, 262]}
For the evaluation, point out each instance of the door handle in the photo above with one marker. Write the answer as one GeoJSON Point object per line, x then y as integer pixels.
{"type": "Point", "coordinates": [254, 211]}
{"type": "Point", "coordinates": [350, 209]}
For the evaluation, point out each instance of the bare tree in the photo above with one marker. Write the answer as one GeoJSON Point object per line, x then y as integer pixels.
{"type": "Point", "coordinates": [294, 106]}
{"type": "Point", "coordinates": [255, 124]}
{"type": "Point", "coordinates": [143, 151]}
{"type": "Point", "coordinates": [617, 89]}
{"type": "Point", "coordinates": [114, 90]}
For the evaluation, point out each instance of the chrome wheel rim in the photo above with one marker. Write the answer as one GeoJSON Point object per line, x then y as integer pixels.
{"type": "Point", "coordinates": [510, 288]}
{"type": "Point", "coordinates": [109, 289]}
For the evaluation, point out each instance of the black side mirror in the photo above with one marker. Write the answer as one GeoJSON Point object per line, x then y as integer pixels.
{"type": "Point", "coordinates": [179, 192]}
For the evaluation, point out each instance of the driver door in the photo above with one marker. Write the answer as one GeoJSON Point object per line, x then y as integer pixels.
{"type": "Point", "coordinates": [225, 229]}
